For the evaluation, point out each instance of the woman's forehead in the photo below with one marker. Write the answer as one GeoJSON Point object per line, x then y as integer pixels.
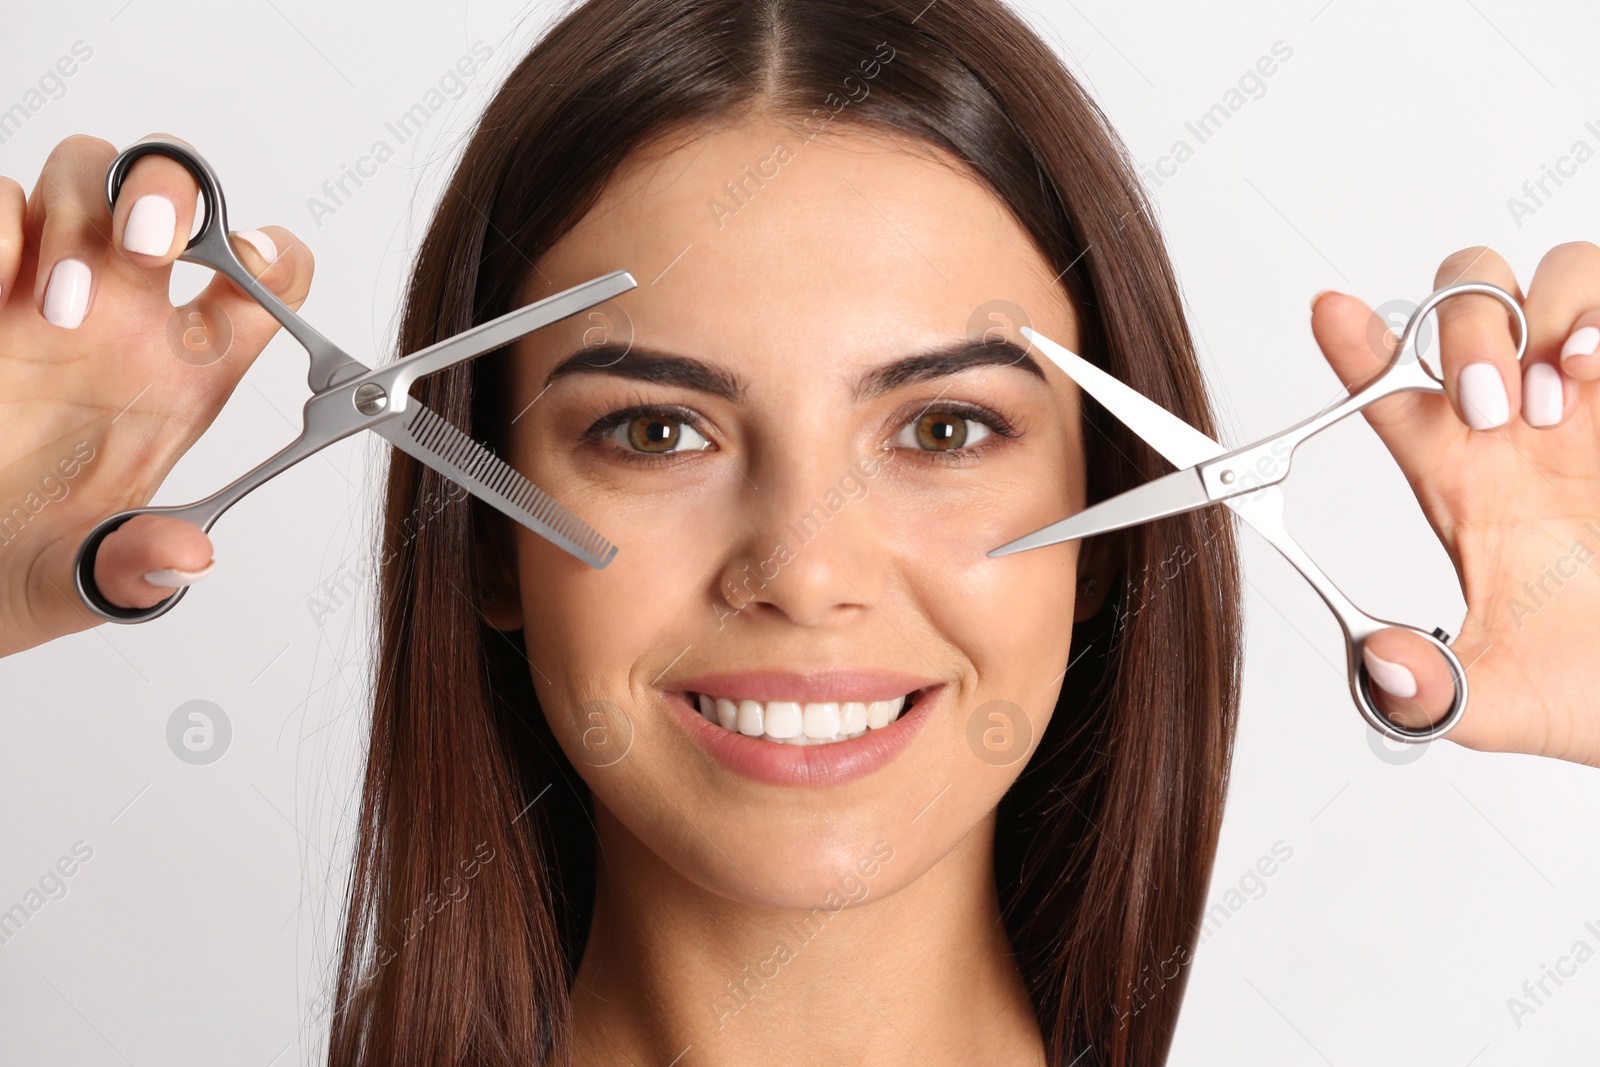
{"type": "Point", "coordinates": [754, 239]}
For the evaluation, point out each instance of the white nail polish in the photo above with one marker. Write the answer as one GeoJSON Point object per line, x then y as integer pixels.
{"type": "Point", "coordinates": [66, 296]}
{"type": "Point", "coordinates": [261, 243]}
{"type": "Point", "coordinates": [151, 224]}
{"type": "Point", "coordinates": [1582, 342]}
{"type": "Point", "coordinates": [1541, 395]}
{"type": "Point", "coordinates": [1391, 677]}
{"type": "Point", "coordinates": [1483, 396]}
{"type": "Point", "coordinates": [172, 578]}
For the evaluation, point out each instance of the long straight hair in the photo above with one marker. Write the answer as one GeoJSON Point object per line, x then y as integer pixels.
{"type": "Point", "coordinates": [472, 884]}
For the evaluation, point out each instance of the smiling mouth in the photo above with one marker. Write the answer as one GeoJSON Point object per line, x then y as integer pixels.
{"type": "Point", "coordinates": [790, 722]}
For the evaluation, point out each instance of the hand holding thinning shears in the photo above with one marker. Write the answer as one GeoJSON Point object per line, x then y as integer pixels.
{"type": "Point", "coordinates": [350, 397]}
{"type": "Point", "coordinates": [1511, 496]}
{"type": "Point", "coordinates": [101, 407]}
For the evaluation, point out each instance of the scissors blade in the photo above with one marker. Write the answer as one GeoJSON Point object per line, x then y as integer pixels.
{"type": "Point", "coordinates": [1179, 443]}
{"type": "Point", "coordinates": [434, 442]}
{"type": "Point", "coordinates": [396, 378]}
{"type": "Point", "coordinates": [1171, 494]}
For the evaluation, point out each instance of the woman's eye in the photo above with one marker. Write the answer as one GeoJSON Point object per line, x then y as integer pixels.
{"type": "Point", "coordinates": [658, 434]}
{"type": "Point", "coordinates": [941, 431]}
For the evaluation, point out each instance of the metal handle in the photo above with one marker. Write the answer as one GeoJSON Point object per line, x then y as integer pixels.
{"type": "Point", "coordinates": [1263, 511]}
{"type": "Point", "coordinates": [209, 247]}
{"type": "Point", "coordinates": [328, 417]}
{"type": "Point", "coordinates": [83, 569]}
{"type": "Point", "coordinates": [1361, 682]}
{"type": "Point", "coordinates": [1267, 462]}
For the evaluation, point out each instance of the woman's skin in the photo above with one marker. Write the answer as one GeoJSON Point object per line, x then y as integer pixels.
{"type": "Point", "coordinates": [861, 251]}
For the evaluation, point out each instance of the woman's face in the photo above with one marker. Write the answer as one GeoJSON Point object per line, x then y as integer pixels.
{"type": "Point", "coordinates": [802, 446]}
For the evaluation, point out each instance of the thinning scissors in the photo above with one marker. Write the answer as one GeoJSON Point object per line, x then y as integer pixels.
{"type": "Point", "coordinates": [1246, 479]}
{"type": "Point", "coordinates": [347, 396]}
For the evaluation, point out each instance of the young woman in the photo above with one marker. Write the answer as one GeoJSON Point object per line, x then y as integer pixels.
{"type": "Point", "coordinates": [803, 776]}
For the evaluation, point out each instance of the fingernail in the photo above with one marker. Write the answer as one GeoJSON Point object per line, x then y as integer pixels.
{"type": "Point", "coordinates": [1541, 395]}
{"type": "Point", "coordinates": [1582, 342]}
{"type": "Point", "coordinates": [1483, 396]}
{"type": "Point", "coordinates": [1322, 294]}
{"type": "Point", "coordinates": [261, 243]}
{"type": "Point", "coordinates": [66, 296]}
{"type": "Point", "coordinates": [172, 578]}
{"type": "Point", "coordinates": [151, 224]}
{"type": "Point", "coordinates": [1392, 678]}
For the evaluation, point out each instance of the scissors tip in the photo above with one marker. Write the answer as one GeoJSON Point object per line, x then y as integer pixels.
{"type": "Point", "coordinates": [1011, 548]}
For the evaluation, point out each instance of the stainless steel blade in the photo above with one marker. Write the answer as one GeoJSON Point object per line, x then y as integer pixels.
{"type": "Point", "coordinates": [433, 441]}
{"type": "Point", "coordinates": [1171, 494]}
{"type": "Point", "coordinates": [1179, 443]}
{"type": "Point", "coordinates": [396, 378]}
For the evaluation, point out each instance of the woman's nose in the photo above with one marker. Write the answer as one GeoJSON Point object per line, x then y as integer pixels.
{"type": "Point", "coordinates": [809, 550]}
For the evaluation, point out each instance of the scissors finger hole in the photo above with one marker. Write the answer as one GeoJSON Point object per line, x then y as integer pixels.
{"type": "Point", "coordinates": [208, 211]}
{"type": "Point", "coordinates": [1411, 681]}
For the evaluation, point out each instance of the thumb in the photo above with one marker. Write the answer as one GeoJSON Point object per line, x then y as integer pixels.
{"type": "Point", "coordinates": [1359, 346]}
{"type": "Point", "coordinates": [1412, 684]}
{"type": "Point", "coordinates": [141, 562]}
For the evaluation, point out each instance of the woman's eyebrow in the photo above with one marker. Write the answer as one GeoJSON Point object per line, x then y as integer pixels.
{"type": "Point", "coordinates": [665, 368]}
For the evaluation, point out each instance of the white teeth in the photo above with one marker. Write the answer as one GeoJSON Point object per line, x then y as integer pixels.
{"type": "Point", "coordinates": [822, 720]}
{"type": "Point", "coordinates": [881, 713]}
{"type": "Point", "coordinates": [791, 723]}
{"type": "Point", "coordinates": [750, 718]}
{"type": "Point", "coordinates": [855, 717]}
{"type": "Point", "coordinates": [783, 719]}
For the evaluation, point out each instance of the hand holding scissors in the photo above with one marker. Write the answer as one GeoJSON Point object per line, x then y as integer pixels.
{"type": "Point", "coordinates": [349, 397]}
{"type": "Point", "coordinates": [1246, 479]}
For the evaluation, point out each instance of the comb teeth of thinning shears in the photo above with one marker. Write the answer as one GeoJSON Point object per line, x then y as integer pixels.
{"type": "Point", "coordinates": [495, 482]}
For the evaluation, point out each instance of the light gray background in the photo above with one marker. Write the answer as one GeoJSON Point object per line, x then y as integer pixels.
{"type": "Point", "coordinates": [1418, 898]}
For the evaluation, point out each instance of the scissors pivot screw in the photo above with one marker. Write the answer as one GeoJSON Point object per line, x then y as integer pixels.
{"type": "Point", "coordinates": [1227, 477]}
{"type": "Point", "coordinates": [371, 399]}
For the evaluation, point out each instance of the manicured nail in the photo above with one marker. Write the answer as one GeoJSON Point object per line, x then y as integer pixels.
{"type": "Point", "coordinates": [151, 224]}
{"type": "Point", "coordinates": [1541, 395]}
{"type": "Point", "coordinates": [1483, 396]}
{"type": "Point", "coordinates": [1392, 678]}
{"type": "Point", "coordinates": [1582, 342]}
{"type": "Point", "coordinates": [261, 243]}
{"type": "Point", "coordinates": [172, 578]}
{"type": "Point", "coordinates": [1322, 294]}
{"type": "Point", "coordinates": [66, 296]}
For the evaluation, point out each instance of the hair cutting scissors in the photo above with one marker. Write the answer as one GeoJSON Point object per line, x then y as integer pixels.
{"type": "Point", "coordinates": [1246, 479]}
{"type": "Point", "coordinates": [347, 396]}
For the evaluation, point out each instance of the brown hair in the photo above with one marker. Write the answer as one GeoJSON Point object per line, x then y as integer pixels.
{"type": "Point", "coordinates": [1104, 845]}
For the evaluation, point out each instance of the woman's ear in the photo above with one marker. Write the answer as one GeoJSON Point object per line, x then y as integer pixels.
{"type": "Point", "coordinates": [1098, 563]}
{"type": "Point", "coordinates": [499, 593]}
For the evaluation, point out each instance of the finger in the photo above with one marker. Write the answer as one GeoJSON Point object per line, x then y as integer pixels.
{"type": "Point", "coordinates": [1359, 346]}
{"type": "Point", "coordinates": [224, 321]}
{"type": "Point", "coordinates": [1412, 682]}
{"type": "Point", "coordinates": [68, 212]}
{"type": "Point", "coordinates": [13, 206]}
{"type": "Point", "coordinates": [141, 562]}
{"type": "Point", "coordinates": [154, 214]}
{"type": "Point", "coordinates": [1565, 287]}
{"type": "Point", "coordinates": [1580, 351]}
{"type": "Point", "coordinates": [1477, 346]}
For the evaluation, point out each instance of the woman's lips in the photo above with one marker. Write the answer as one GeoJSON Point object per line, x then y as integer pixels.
{"type": "Point", "coordinates": [810, 762]}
